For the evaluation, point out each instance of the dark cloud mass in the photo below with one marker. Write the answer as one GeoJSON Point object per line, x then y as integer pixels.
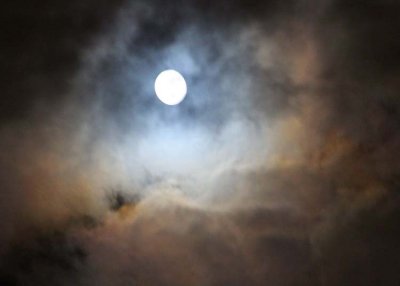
{"type": "Point", "coordinates": [279, 168]}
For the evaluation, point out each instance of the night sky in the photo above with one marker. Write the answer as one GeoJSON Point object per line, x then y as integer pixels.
{"type": "Point", "coordinates": [281, 167]}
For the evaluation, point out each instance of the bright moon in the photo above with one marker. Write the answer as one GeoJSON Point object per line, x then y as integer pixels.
{"type": "Point", "coordinates": [170, 87]}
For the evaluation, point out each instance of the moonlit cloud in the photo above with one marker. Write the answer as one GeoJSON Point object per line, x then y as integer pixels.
{"type": "Point", "coordinates": [278, 168]}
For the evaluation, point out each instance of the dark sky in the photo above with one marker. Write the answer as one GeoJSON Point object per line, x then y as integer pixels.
{"type": "Point", "coordinates": [280, 167]}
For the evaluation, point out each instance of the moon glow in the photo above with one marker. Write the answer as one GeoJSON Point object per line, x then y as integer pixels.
{"type": "Point", "coordinates": [170, 87]}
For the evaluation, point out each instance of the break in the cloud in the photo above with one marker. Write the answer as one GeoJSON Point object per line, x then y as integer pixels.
{"type": "Point", "coordinates": [278, 168]}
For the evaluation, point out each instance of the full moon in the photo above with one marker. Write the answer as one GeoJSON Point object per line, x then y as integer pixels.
{"type": "Point", "coordinates": [170, 87]}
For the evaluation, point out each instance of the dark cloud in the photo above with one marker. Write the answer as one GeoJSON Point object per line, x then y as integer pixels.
{"type": "Point", "coordinates": [360, 247]}
{"type": "Point", "coordinates": [280, 166]}
{"type": "Point", "coordinates": [50, 259]}
{"type": "Point", "coordinates": [41, 46]}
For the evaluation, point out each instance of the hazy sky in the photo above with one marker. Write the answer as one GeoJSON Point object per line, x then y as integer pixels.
{"type": "Point", "coordinates": [280, 167]}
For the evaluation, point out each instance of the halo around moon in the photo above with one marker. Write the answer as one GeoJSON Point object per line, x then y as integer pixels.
{"type": "Point", "coordinates": [170, 87]}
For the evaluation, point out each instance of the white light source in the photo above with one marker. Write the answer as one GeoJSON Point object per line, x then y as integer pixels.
{"type": "Point", "coordinates": [170, 87]}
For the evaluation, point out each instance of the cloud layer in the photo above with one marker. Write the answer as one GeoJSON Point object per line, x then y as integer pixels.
{"type": "Point", "coordinates": [278, 168]}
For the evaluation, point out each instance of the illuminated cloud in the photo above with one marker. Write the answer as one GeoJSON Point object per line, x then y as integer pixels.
{"type": "Point", "coordinates": [278, 168]}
